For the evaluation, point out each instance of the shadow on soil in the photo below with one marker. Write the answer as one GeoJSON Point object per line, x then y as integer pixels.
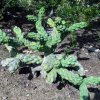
{"type": "Point", "coordinates": [96, 91]}
{"type": "Point", "coordinates": [26, 70]}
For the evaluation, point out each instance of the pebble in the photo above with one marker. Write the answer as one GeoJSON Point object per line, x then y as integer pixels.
{"type": "Point", "coordinates": [86, 70]}
{"type": "Point", "coordinates": [4, 98]}
{"type": "Point", "coordinates": [97, 50]}
{"type": "Point", "coordinates": [2, 69]}
{"type": "Point", "coordinates": [28, 95]}
{"type": "Point", "coordinates": [7, 30]}
{"type": "Point", "coordinates": [92, 49]}
{"type": "Point", "coordinates": [84, 54]}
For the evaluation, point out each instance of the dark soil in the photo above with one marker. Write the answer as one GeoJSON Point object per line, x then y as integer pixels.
{"type": "Point", "coordinates": [18, 87]}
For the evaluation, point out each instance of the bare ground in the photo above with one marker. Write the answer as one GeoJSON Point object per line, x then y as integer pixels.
{"type": "Point", "coordinates": [18, 87]}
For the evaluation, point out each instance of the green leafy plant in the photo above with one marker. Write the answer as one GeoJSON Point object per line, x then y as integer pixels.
{"type": "Point", "coordinates": [50, 64]}
{"type": "Point", "coordinates": [82, 10]}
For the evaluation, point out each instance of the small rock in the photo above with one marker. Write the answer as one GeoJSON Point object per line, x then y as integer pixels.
{"type": "Point", "coordinates": [27, 84]}
{"type": "Point", "coordinates": [97, 50]}
{"type": "Point", "coordinates": [7, 30]}
{"type": "Point", "coordinates": [28, 95]}
{"type": "Point", "coordinates": [2, 69]}
{"type": "Point", "coordinates": [4, 98]}
{"type": "Point", "coordinates": [92, 49]}
{"type": "Point", "coordinates": [86, 70]}
{"type": "Point", "coordinates": [84, 54]}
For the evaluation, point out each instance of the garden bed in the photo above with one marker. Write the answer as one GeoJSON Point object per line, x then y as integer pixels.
{"type": "Point", "coordinates": [18, 86]}
{"type": "Point", "coordinates": [22, 85]}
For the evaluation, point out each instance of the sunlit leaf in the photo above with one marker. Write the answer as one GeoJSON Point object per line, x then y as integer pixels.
{"type": "Point", "coordinates": [51, 76]}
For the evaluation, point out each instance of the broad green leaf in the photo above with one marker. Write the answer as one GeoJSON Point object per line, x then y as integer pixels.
{"type": "Point", "coordinates": [51, 76]}
{"type": "Point", "coordinates": [84, 93]}
{"type": "Point", "coordinates": [70, 76]}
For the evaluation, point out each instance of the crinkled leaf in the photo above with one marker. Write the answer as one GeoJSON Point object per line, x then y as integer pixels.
{"type": "Point", "coordinates": [58, 19]}
{"type": "Point", "coordinates": [6, 61]}
{"type": "Point", "coordinates": [70, 76]}
{"type": "Point", "coordinates": [84, 93]}
{"type": "Point", "coordinates": [32, 35]}
{"type": "Point", "coordinates": [41, 33]}
{"type": "Point", "coordinates": [54, 38]}
{"type": "Point", "coordinates": [51, 22]}
{"type": "Point", "coordinates": [19, 33]}
{"type": "Point", "coordinates": [77, 26]}
{"type": "Point", "coordinates": [32, 45]}
{"type": "Point", "coordinates": [69, 61]}
{"type": "Point", "coordinates": [41, 13]}
{"type": "Point", "coordinates": [51, 76]}
{"type": "Point", "coordinates": [29, 59]}
{"type": "Point", "coordinates": [92, 80]}
{"type": "Point", "coordinates": [81, 70]}
{"type": "Point", "coordinates": [22, 40]}
{"type": "Point", "coordinates": [49, 62]}
{"type": "Point", "coordinates": [3, 37]}
{"type": "Point", "coordinates": [12, 64]}
{"type": "Point", "coordinates": [31, 17]}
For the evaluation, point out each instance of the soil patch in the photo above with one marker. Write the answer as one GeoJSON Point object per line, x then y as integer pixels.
{"type": "Point", "coordinates": [18, 87]}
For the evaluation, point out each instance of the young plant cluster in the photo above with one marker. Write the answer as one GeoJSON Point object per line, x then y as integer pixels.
{"type": "Point", "coordinates": [51, 65]}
